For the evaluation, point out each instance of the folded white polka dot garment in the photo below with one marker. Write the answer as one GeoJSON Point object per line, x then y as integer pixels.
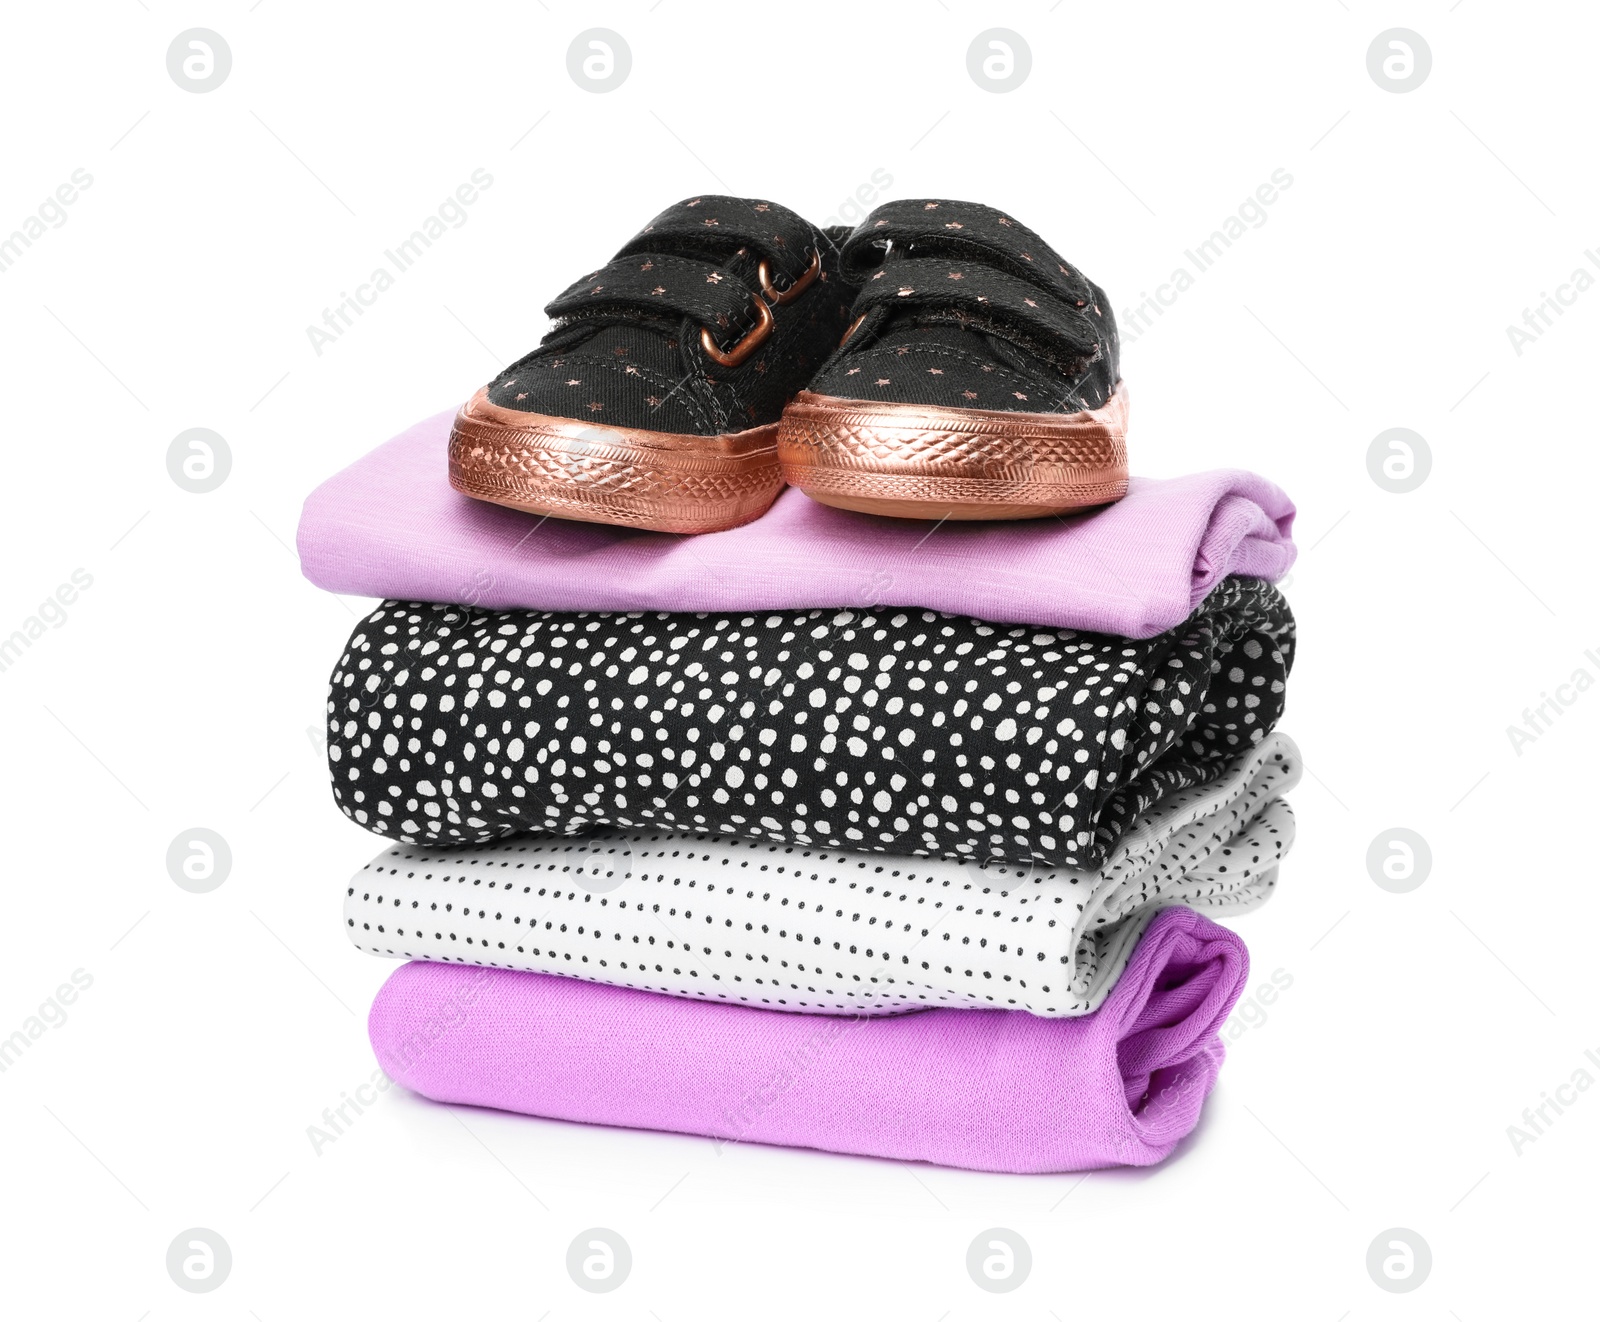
{"type": "Point", "coordinates": [826, 932]}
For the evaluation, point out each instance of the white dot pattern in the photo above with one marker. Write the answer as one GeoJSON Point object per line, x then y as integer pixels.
{"type": "Point", "coordinates": [895, 731]}
{"type": "Point", "coordinates": [820, 931]}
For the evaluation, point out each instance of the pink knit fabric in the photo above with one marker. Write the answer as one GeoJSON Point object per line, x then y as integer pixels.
{"type": "Point", "coordinates": [991, 1090]}
{"type": "Point", "coordinates": [391, 526]}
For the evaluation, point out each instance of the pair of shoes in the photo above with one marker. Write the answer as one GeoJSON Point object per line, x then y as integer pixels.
{"type": "Point", "coordinates": [940, 361]}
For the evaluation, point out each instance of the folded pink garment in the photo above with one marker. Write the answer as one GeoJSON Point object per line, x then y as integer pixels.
{"type": "Point", "coordinates": [993, 1090]}
{"type": "Point", "coordinates": [391, 526]}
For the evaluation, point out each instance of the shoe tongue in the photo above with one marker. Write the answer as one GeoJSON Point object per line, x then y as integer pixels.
{"type": "Point", "coordinates": [713, 226]}
{"type": "Point", "coordinates": [733, 233]}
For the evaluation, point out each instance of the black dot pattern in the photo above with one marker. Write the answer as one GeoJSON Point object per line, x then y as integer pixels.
{"type": "Point", "coordinates": [821, 931]}
{"type": "Point", "coordinates": [887, 730]}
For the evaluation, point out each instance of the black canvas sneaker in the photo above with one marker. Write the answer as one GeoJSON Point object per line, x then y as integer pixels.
{"type": "Point", "coordinates": [654, 400]}
{"type": "Point", "coordinates": [978, 379]}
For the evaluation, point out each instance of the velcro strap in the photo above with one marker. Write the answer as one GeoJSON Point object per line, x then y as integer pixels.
{"type": "Point", "coordinates": [968, 230]}
{"type": "Point", "coordinates": [976, 293]}
{"type": "Point", "coordinates": [722, 224]}
{"type": "Point", "coordinates": [655, 283]}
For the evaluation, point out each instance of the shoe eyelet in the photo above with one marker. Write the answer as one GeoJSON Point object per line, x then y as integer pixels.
{"type": "Point", "coordinates": [746, 346]}
{"type": "Point", "coordinates": [797, 288]}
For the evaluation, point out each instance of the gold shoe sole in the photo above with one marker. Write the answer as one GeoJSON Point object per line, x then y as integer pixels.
{"type": "Point", "coordinates": [912, 461]}
{"type": "Point", "coordinates": [661, 481]}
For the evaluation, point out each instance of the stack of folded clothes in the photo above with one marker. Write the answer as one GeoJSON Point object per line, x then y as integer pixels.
{"type": "Point", "coordinates": [806, 742]}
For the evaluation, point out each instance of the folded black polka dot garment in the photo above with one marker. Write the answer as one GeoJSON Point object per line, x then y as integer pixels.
{"type": "Point", "coordinates": [896, 731]}
{"type": "Point", "coordinates": [823, 931]}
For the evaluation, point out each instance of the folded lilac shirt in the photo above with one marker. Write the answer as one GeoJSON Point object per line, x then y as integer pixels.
{"type": "Point", "coordinates": [390, 525]}
{"type": "Point", "coordinates": [992, 1090]}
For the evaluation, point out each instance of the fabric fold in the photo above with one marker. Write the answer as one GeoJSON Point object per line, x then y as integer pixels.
{"type": "Point", "coordinates": [391, 526]}
{"type": "Point", "coordinates": [825, 932]}
{"type": "Point", "coordinates": [991, 1090]}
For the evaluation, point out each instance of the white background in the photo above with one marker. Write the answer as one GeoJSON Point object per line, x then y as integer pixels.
{"type": "Point", "coordinates": [180, 688]}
